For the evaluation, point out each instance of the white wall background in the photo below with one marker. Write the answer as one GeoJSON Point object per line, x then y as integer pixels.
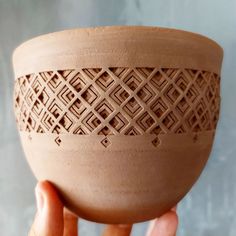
{"type": "Point", "coordinates": [210, 208]}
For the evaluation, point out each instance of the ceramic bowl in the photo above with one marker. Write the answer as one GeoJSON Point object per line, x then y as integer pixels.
{"type": "Point", "coordinates": [120, 119]}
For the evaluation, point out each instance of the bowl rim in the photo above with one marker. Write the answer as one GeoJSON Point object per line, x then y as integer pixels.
{"type": "Point", "coordinates": [117, 46]}
{"type": "Point", "coordinates": [107, 28]}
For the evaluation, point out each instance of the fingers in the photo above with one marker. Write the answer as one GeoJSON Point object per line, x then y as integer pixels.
{"type": "Point", "coordinates": [117, 230]}
{"type": "Point", "coordinates": [70, 224]}
{"type": "Point", "coordinates": [166, 225]}
{"type": "Point", "coordinates": [49, 217]}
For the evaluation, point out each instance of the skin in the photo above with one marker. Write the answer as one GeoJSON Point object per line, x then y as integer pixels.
{"type": "Point", "coordinates": [52, 219]}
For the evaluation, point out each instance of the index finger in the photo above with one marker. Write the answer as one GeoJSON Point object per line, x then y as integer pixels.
{"type": "Point", "coordinates": [166, 225]}
{"type": "Point", "coordinates": [70, 223]}
{"type": "Point", "coordinates": [117, 230]}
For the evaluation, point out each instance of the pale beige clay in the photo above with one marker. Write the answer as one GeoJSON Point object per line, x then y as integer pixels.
{"type": "Point", "coordinates": [120, 119]}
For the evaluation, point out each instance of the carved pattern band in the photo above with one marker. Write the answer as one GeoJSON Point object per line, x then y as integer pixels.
{"type": "Point", "coordinates": [111, 101]}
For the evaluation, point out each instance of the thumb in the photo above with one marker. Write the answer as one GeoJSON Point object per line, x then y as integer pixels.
{"type": "Point", "coordinates": [49, 218]}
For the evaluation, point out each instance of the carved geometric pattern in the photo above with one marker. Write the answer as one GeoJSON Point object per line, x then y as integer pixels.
{"type": "Point", "coordinates": [112, 101]}
{"type": "Point", "coordinates": [91, 121]}
{"type": "Point", "coordinates": [132, 80]}
{"type": "Point", "coordinates": [156, 142]}
{"type": "Point", "coordinates": [145, 121]}
{"type": "Point", "coordinates": [106, 142]}
{"type": "Point", "coordinates": [90, 95]}
{"type": "Point", "coordinates": [105, 81]}
{"type": "Point", "coordinates": [146, 93]}
{"type": "Point", "coordinates": [132, 107]}
{"type": "Point", "coordinates": [119, 95]}
{"type": "Point", "coordinates": [104, 108]}
{"type": "Point", "coordinates": [58, 141]}
{"type": "Point", "coordinates": [119, 122]}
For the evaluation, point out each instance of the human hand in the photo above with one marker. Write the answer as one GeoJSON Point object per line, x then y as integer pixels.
{"type": "Point", "coordinates": [52, 219]}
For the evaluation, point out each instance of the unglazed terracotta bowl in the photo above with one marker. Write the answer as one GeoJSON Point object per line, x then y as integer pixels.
{"type": "Point", "coordinates": [120, 119]}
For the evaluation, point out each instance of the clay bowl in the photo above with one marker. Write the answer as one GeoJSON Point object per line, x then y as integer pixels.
{"type": "Point", "coordinates": [120, 119]}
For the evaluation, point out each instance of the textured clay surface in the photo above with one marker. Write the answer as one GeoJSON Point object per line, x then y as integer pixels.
{"type": "Point", "coordinates": [120, 119]}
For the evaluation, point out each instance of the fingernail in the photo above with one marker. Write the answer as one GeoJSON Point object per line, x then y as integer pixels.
{"type": "Point", "coordinates": [174, 208]}
{"type": "Point", "coordinates": [39, 199]}
{"type": "Point", "coordinates": [151, 227]}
